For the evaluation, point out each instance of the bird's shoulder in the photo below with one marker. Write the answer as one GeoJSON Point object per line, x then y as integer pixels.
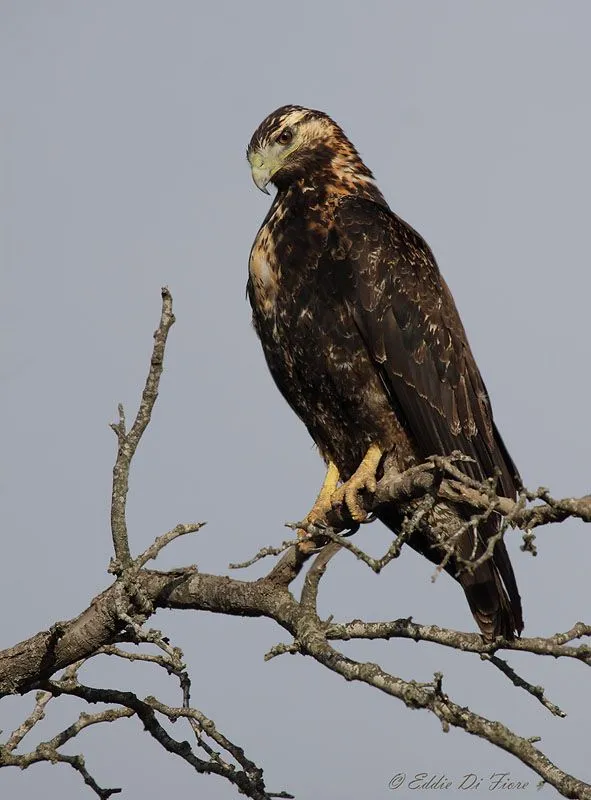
{"type": "Point", "coordinates": [394, 270]}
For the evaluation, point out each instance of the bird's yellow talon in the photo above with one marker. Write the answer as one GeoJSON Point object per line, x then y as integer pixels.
{"type": "Point", "coordinates": [362, 480]}
{"type": "Point", "coordinates": [321, 507]}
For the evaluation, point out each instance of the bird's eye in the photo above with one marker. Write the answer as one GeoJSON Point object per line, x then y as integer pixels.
{"type": "Point", "coordinates": [285, 136]}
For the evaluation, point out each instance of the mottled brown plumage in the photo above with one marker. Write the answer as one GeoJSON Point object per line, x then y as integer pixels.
{"type": "Point", "coordinates": [363, 339]}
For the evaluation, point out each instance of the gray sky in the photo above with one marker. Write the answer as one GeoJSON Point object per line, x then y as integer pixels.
{"type": "Point", "coordinates": [124, 127]}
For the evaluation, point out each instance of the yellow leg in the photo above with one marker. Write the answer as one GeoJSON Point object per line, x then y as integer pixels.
{"type": "Point", "coordinates": [323, 502]}
{"type": "Point", "coordinates": [363, 479]}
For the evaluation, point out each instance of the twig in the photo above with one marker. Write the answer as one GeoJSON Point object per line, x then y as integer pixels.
{"type": "Point", "coordinates": [38, 713]}
{"type": "Point", "coordinates": [161, 542]}
{"type": "Point", "coordinates": [128, 442]}
{"type": "Point", "coordinates": [281, 649]}
{"type": "Point", "coordinates": [517, 680]}
{"type": "Point", "coordinates": [48, 751]}
{"type": "Point", "coordinates": [264, 552]}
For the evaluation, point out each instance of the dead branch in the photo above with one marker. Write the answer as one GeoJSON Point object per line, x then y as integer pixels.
{"type": "Point", "coordinates": [119, 614]}
{"type": "Point", "coordinates": [555, 646]}
{"type": "Point", "coordinates": [128, 442]}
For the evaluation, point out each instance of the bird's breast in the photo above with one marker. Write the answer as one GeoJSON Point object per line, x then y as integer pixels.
{"type": "Point", "coordinates": [264, 273]}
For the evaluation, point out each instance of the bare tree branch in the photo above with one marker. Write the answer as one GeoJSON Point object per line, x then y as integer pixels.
{"type": "Point", "coordinates": [128, 442]}
{"type": "Point", "coordinates": [36, 715]}
{"type": "Point", "coordinates": [249, 781]}
{"type": "Point", "coordinates": [416, 696]}
{"type": "Point", "coordinates": [536, 691]}
{"type": "Point", "coordinates": [554, 646]}
{"type": "Point", "coordinates": [118, 615]}
{"type": "Point", "coordinates": [48, 751]}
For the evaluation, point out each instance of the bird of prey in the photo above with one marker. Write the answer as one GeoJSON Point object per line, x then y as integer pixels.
{"type": "Point", "coordinates": [364, 341]}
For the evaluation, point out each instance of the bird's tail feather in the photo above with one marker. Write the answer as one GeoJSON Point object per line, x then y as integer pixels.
{"type": "Point", "coordinates": [489, 602]}
{"type": "Point", "coordinates": [490, 588]}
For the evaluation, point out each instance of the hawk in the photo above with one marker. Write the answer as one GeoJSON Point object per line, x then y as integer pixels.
{"type": "Point", "coordinates": [364, 341]}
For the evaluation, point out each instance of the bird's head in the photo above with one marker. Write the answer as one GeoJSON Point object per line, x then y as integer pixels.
{"type": "Point", "coordinates": [295, 143]}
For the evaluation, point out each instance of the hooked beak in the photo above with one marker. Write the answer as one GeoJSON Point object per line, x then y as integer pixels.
{"type": "Point", "coordinates": [261, 177]}
{"type": "Point", "coordinates": [262, 170]}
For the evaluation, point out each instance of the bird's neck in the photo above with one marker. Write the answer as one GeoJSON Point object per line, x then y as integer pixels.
{"type": "Point", "coordinates": [330, 186]}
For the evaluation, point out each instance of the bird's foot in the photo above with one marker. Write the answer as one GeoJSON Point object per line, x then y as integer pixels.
{"type": "Point", "coordinates": [362, 480]}
{"type": "Point", "coordinates": [323, 504]}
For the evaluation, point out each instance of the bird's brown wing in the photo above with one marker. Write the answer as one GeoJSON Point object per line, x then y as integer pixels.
{"type": "Point", "coordinates": [411, 328]}
{"type": "Point", "coordinates": [412, 331]}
